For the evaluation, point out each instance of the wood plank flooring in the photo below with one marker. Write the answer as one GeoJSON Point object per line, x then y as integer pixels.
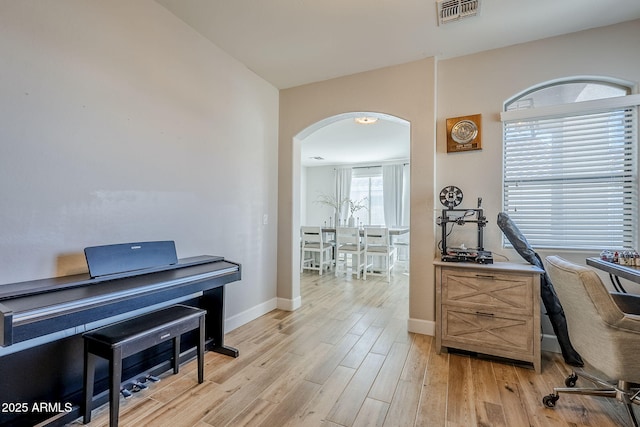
{"type": "Point", "coordinates": [345, 358]}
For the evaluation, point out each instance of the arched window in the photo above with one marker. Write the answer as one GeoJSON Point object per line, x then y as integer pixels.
{"type": "Point", "coordinates": [569, 174]}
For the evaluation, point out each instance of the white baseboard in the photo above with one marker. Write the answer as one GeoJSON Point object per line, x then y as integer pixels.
{"type": "Point", "coordinates": [247, 316]}
{"type": "Point", "coordinates": [550, 343]}
{"type": "Point", "coordinates": [424, 327]}
{"type": "Point", "coordinates": [289, 304]}
{"type": "Point", "coordinates": [253, 313]}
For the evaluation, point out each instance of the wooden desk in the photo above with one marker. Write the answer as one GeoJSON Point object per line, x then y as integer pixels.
{"type": "Point", "coordinates": [489, 308]}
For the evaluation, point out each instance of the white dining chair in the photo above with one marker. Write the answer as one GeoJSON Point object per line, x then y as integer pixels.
{"type": "Point", "coordinates": [401, 243]}
{"type": "Point", "coordinates": [378, 246]}
{"type": "Point", "coordinates": [349, 247]}
{"type": "Point", "coordinates": [315, 253]}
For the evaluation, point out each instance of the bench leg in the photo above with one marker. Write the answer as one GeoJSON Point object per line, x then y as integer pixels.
{"type": "Point", "coordinates": [176, 354]}
{"type": "Point", "coordinates": [87, 398]}
{"type": "Point", "coordinates": [200, 350]}
{"type": "Point", "coordinates": [115, 373]}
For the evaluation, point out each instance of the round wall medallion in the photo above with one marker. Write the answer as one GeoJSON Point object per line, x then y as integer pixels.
{"type": "Point", "coordinates": [464, 131]}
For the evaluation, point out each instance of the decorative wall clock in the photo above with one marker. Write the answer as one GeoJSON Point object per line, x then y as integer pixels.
{"type": "Point", "coordinates": [464, 133]}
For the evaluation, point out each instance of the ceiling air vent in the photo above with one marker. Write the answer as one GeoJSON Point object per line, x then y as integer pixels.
{"type": "Point", "coordinates": [452, 10]}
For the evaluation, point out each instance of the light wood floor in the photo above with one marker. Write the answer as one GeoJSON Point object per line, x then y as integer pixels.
{"type": "Point", "coordinates": [345, 358]}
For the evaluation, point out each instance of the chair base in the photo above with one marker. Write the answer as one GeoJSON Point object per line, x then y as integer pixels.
{"type": "Point", "coordinates": [311, 263]}
{"type": "Point", "coordinates": [389, 263]}
{"type": "Point", "coordinates": [357, 263]}
{"type": "Point", "coordinates": [623, 391]}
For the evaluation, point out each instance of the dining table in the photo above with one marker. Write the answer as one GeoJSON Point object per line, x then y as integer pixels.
{"type": "Point", "coordinates": [394, 236]}
{"type": "Point", "coordinates": [393, 231]}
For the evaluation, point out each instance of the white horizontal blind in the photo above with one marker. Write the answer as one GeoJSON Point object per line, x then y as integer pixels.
{"type": "Point", "coordinates": [570, 181]}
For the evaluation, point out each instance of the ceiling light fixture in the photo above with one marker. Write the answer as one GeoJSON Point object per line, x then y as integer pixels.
{"type": "Point", "coordinates": [366, 120]}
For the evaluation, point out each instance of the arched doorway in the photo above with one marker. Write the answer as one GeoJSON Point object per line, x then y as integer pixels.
{"type": "Point", "coordinates": [371, 158]}
{"type": "Point", "coordinates": [406, 91]}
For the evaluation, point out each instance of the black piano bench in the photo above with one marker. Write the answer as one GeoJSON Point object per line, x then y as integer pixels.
{"type": "Point", "coordinates": [119, 340]}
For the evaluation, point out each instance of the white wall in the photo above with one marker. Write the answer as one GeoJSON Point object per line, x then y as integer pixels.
{"type": "Point", "coordinates": [466, 85]}
{"type": "Point", "coordinates": [319, 180]}
{"type": "Point", "coordinates": [480, 83]}
{"type": "Point", "coordinates": [119, 123]}
{"type": "Point", "coordinates": [498, 75]}
{"type": "Point", "coordinates": [406, 91]}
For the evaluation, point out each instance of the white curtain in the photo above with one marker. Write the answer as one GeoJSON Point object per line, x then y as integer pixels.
{"type": "Point", "coordinates": [396, 187]}
{"type": "Point", "coordinates": [406, 195]}
{"type": "Point", "coordinates": [392, 192]}
{"type": "Point", "coordinates": [343, 191]}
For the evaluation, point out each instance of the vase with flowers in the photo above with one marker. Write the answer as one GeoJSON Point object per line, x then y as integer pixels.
{"type": "Point", "coordinates": [355, 206]}
{"type": "Point", "coordinates": [333, 202]}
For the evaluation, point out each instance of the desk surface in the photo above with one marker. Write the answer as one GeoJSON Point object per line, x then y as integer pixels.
{"type": "Point", "coordinates": [624, 271]}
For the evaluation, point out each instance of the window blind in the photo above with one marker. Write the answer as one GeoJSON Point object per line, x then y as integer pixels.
{"type": "Point", "coordinates": [570, 180]}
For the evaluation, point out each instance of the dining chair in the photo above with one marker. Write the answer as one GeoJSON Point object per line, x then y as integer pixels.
{"type": "Point", "coordinates": [349, 247]}
{"type": "Point", "coordinates": [402, 243]}
{"type": "Point", "coordinates": [378, 246]}
{"type": "Point", "coordinates": [315, 253]}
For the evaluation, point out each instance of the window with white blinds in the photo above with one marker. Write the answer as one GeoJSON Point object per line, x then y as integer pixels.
{"type": "Point", "coordinates": [366, 189]}
{"type": "Point", "coordinates": [570, 173]}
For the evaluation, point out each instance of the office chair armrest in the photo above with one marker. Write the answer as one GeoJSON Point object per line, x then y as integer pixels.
{"type": "Point", "coordinates": [628, 303]}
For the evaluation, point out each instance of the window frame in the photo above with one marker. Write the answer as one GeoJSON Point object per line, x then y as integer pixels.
{"type": "Point", "coordinates": [565, 111]}
{"type": "Point", "coordinates": [368, 172]}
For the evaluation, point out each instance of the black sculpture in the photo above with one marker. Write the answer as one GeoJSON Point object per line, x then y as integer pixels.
{"type": "Point", "coordinates": [548, 294]}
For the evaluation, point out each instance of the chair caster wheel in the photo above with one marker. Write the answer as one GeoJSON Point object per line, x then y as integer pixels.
{"type": "Point", "coordinates": [570, 381]}
{"type": "Point", "coordinates": [550, 400]}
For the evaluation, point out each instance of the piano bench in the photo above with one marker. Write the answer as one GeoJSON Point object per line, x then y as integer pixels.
{"type": "Point", "coordinates": [119, 340]}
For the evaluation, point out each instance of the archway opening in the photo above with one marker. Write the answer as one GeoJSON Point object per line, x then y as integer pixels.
{"type": "Point", "coordinates": [373, 153]}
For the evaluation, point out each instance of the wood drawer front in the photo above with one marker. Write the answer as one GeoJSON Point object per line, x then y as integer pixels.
{"type": "Point", "coordinates": [507, 293]}
{"type": "Point", "coordinates": [513, 334]}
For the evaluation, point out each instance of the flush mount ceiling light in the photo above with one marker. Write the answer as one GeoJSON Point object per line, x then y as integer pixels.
{"type": "Point", "coordinates": [366, 120]}
{"type": "Point", "coordinates": [453, 10]}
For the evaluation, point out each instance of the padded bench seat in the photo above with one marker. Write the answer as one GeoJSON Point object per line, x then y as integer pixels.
{"type": "Point", "coordinates": [119, 340]}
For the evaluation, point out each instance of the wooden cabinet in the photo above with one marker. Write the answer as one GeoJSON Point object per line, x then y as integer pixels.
{"type": "Point", "coordinates": [489, 308]}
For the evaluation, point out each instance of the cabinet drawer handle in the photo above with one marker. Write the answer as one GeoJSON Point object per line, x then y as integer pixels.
{"type": "Point", "coordinates": [480, 313]}
{"type": "Point", "coordinates": [482, 276]}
